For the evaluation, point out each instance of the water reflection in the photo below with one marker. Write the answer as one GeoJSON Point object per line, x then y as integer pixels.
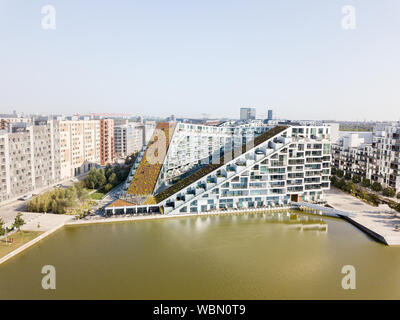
{"type": "Point", "coordinates": [291, 219]}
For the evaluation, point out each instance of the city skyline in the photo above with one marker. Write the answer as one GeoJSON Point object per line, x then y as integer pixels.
{"type": "Point", "coordinates": [213, 58]}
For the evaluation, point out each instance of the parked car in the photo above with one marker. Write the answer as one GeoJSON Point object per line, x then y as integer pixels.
{"type": "Point", "coordinates": [25, 197]}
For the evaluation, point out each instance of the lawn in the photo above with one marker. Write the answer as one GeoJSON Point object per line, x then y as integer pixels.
{"type": "Point", "coordinates": [20, 238]}
{"type": "Point", "coordinates": [98, 195]}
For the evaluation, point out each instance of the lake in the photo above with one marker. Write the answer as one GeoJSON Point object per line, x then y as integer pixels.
{"type": "Point", "coordinates": [286, 255]}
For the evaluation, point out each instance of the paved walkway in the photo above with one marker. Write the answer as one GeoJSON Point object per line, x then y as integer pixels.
{"type": "Point", "coordinates": [381, 220]}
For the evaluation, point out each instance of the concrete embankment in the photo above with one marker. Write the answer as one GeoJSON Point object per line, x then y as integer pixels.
{"type": "Point", "coordinates": [29, 244]}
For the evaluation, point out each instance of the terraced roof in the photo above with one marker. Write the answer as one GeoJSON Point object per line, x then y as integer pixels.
{"type": "Point", "coordinates": [146, 175]}
{"type": "Point", "coordinates": [120, 203]}
{"type": "Point", "coordinates": [211, 167]}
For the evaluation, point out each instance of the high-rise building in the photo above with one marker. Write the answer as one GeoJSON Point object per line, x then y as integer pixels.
{"type": "Point", "coordinates": [128, 138]}
{"type": "Point", "coordinates": [270, 114]}
{"type": "Point", "coordinates": [148, 130]}
{"type": "Point", "coordinates": [237, 167]}
{"type": "Point", "coordinates": [8, 120]}
{"type": "Point", "coordinates": [29, 158]}
{"type": "Point", "coordinates": [79, 146]}
{"type": "Point", "coordinates": [378, 161]}
{"type": "Point", "coordinates": [247, 113]}
{"type": "Point", "coordinates": [106, 141]}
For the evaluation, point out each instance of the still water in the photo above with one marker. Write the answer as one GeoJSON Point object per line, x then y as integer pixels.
{"type": "Point", "coordinates": [246, 256]}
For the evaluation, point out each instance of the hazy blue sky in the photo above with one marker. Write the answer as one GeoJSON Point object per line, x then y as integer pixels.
{"type": "Point", "coordinates": [191, 57]}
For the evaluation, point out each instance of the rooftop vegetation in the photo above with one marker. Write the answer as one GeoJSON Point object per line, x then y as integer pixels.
{"type": "Point", "coordinates": [146, 175]}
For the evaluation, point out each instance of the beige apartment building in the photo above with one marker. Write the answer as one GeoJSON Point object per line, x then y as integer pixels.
{"type": "Point", "coordinates": [79, 146]}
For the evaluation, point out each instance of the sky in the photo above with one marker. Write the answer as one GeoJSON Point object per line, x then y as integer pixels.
{"type": "Point", "coordinates": [205, 57]}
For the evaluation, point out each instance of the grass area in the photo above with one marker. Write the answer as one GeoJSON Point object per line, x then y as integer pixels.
{"type": "Point", "coordinates": [19, 238]}
{"type": "Point", "coordinates": [98, 195]}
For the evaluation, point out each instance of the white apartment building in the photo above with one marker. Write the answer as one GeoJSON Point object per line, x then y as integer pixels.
{"type": "Point", "coordinates": [378, 160]}
{"type": "Point", "coordinates": [204, 169]}
{"type": "Point", "coordinates": [29, 158]}
{"type": "Point", "coordinates": [128, 138]}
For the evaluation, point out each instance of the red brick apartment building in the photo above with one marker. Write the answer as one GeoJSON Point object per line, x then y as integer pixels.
{"type": "Point", "coordinates": [106, 141]}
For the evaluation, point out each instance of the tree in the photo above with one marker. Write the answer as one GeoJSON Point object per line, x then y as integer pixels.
{"type": "Point", "coordinates": [54, 206]}
{"type": "Point", "coordinates": [2, 230]}
{"type": "Point", "coordinates": [348, 176]}
{"type": "Point", "coordinates": [398, 196]}
{"type": "Point", "coordinates": [19, 222]}
{"type": "Point", "coordinates": [340, 173]}
{"type": "Point", "coordinates": [108, 187]}
{"type": "Point", "coordinates": [334, 180]}
{"type": "Point", "coordinates": [351, 187]}
{"type": "Point", "coordinates": [101, 178]}
{"type": "Point", "coordinates": [112, 179]}
{"type": "Point", "coordinates": [366, 183]}
{"type": "Point", "coordinates": [333, 171]}
{"type": "Point", "coordinates": [356, 178]}
{"type": "Point", "coordinates": [341, 183]}
{"type": "Point", "coordinates": [389, 192]}
{"type": "Point", "coordinates": [376, 186]}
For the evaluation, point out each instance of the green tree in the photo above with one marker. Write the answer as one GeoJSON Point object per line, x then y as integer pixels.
{"type": "Point", "coordinates": [351, 187]}
{"type": "Point", "coordinates": [112, 179]}
{"type": "Point", "coordinates": [356, 178]}
{"type": "Point", "coordinates": [398, 196]}
{"type": "Point", "coordinates": [2, 230]}
{"type": "Point", "coordinates": [366, 183]}
{"type": "Point", "coordinates": [347, 176]}
{"type": "Point", "coordinates": [54, 206]}
{"type": "Point", "coordinates": [19, 222]}
{"type": "Point", "coordinates": [101, 178]}
{"type": "Point", "coordinates": [376, 186]}
{"type": "Point", "coordinates": [389, 192]}
{"type": "Point", "coordinates": [333, 171]}
{"type": "Point", "coordinates": [341, 183]}
{"type": "Point", "coordinates": [108, 187]}
{"type": "Point", "coordinates": [340, 173]}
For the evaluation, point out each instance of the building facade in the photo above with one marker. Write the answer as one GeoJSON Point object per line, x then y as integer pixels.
{"type": "Point", "coordinates": [128, 138]}
{"type": "Point", "coordinates": [378, 161]}
{"type": "Point", "coordinates": [247, 113]}
{"type": "Point", "coordinates": [79, 146]}
{"type": "Point", "coordinates": [276, 166]}
{"type": "Point", "coordinates": [106, 141]}
{"type": "Point", "coordinates": [29, 158]}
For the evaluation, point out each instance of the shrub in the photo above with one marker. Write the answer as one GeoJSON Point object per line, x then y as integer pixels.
{"type": "Point", "coordinates": [108, 187]}
{"type": "Point", "coordinates": [348, 176]}
{"type": "Point", "coordinates": [366, 183]}
{"type": "Point", "coordinates": [389, 192]}
{"type": "Point", "coordinates": [376, 186]}
{"type": "Point", "coordinates": [398, 196]}
{"type": "Point", "coordinates": [2, 230]}
{"type": "Point", "coordinates": [333, 171]}
{"type": "Point", "coordinates": [19, 222]}
{"type": "Point", "coordinates": [374, 198]}
{"type": "Point", "coordinates": [356, 178]}
{"type": "Point", "coordinates": [340, 173]}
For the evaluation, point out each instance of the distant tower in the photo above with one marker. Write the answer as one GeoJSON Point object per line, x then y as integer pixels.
{"type": "Point", "coordinates": [270, 114]}
{"type": "Point", "coordinates": [247, 113]}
